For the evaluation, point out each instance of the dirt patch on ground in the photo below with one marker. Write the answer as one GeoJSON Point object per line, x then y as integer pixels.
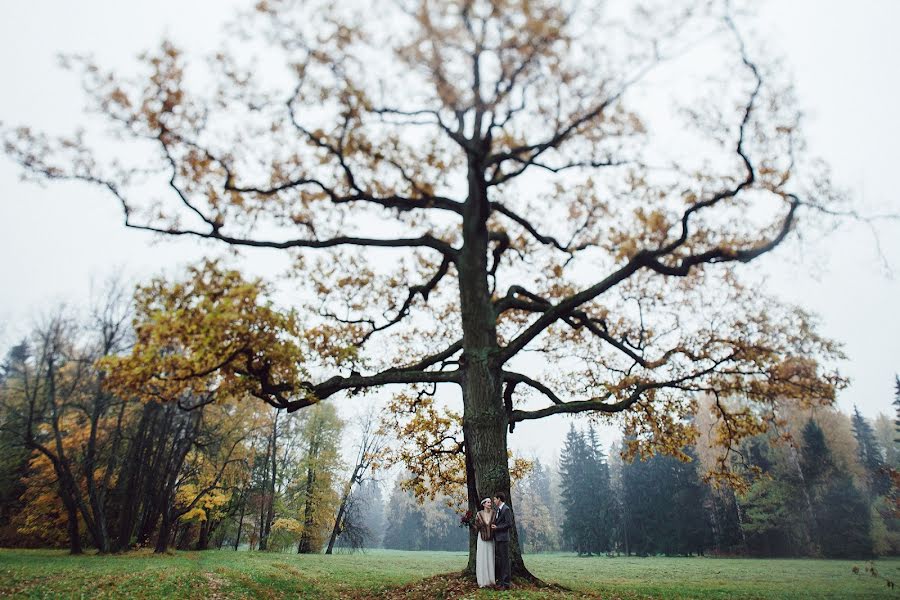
{"type": "Point", "coordinates": [214, 592]}
{"type": "Point", "coordinates": [456, 586]}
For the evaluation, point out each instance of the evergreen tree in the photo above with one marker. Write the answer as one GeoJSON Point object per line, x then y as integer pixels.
{"type": "Point", "coordinates": [692, 527]}
{"type": "Point", "coordinates": [13, 455]}
{"type": "Point", "coordinates": [598, 496]}
{"type": "Point", "coordinates": [871, 456]}
{"type": "Point", "coordinates": [575, 492]}
{"type": "Point", "coordinates": [371, 503]}
{"type": "Point", "coordinates": [897, 407]}
{"type": "Point", "coordinates": [816, 462]}
{"type": "Point", "coordinates": [664, 507]}
{"type": "Point", "coordinates": [404, 522]}
{"type": "Point", "coordinates": [844, 519]}
{"type": "Point", "coordinates": [771, 518]}
{"type": "Point", "coordinates": [842, 526]}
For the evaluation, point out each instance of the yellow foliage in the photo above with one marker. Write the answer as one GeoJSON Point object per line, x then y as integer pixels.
{"type": "Point", "coordinates": [212, 333]}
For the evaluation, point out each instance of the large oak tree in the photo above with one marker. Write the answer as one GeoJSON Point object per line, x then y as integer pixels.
{"type": "Point", "coordinates": [547, 204]}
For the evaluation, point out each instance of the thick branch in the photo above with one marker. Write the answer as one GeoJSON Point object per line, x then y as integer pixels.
{"type": "Point", "coordinates": [356, 381]}
{"type": "Point", "coordinates": [601, 405]}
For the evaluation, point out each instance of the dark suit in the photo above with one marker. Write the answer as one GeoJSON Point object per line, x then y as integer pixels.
{"type": "Point", "coordinates": [503, 522]}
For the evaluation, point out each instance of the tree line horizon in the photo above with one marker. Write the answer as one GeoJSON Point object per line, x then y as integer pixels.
{"type": "Point", "coordinates": [83, 468]}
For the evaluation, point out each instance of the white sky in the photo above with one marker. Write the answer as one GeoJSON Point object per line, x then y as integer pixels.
{"type": "Point", "coordinates": [845, 58]}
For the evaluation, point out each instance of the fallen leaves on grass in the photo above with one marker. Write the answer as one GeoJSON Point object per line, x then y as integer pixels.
{"type": "Point", "coordinates": [456, 586]}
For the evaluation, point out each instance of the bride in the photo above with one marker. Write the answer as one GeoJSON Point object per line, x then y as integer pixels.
{"type": "Point", "coordinates": [484, 550]}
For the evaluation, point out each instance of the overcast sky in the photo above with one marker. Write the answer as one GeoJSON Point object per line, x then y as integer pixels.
{"type": "Point", "coordinates": [845, 58]}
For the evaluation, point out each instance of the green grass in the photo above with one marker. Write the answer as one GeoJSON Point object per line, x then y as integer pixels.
{"type": "Point", "coordinates": [226, 574]}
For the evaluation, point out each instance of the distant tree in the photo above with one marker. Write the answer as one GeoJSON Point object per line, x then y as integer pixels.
{"type": "Point", "coordinates": [14, 456]}
{"type": "Point", "coordinates": [817, 462]}
{"type": "Point", "coordinates": [598, 495]}
{"type": "Point", "coordinates": [665, 507]}
{"type": "Point", "coordinates": [897, 407]}
{"type": "Point", "coordinates": [844, 530]}
{"type": "Point", "coordinates": [871, 456]}
{"type": "Point", "coordinates": [404, 523]}
{"type": "Point", "coordinates": [575, 494]}
{"type": "Point", "coordinates": [537, 520]}
{"type": "Point", "coordinates": [318, 500]}
{"type": "Point", "coordinates": [774, 521]}
{"type": "Point", "coordinates": [55, 405]}
{"type": "Point", "coordinates": [884, 433]}
{"type": "Point", "coordinates": [372, 506]}
{"type": "Point", "coordinates": [429, 525]}
{"type": "Point", "coordinates": [842, 519]}
{"type": "Point", "coordinates": [369, 449]}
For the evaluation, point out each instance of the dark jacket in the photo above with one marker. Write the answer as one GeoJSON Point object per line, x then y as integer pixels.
{"type": "Point", "coordinates": [503, 521]}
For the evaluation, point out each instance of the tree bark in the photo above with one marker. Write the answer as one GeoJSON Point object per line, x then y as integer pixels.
{"type": "Point", "coordinates": [270, 492]}
{"type": "Point", "coordinates": [203, 537]}
{"type": "Point", "coordinates": [237, 539]}
{"type": "Point", "coordinates": [474, 503]}
{"type": "Point", "coordinates": [336, 530]}
{"type": "Point", "coordinates": [165, 530]}
{"type": "Point", "coordinates": [305, 544]}
{"type": "Point", "coordinates": [485, 419]}
{"type": "Point", "coordinates": [72, 525]}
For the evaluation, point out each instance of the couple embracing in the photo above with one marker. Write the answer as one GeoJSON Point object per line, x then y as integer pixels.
{"type": "Point", "coordinates": [492, 551]}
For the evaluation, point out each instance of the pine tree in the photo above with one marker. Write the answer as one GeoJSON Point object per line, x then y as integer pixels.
{"type": "Point", "coordinates": [816, 462]}
{"type": "Point", "coordinates": [871, 456]}
{"type": "Point", "coordinates": [598, 496]}
{"type": "Point", "coordinates": [897, 407]}
{"type": "Point", "coordinates": [693, 532]}
{"type": "Point", "coordinates": [575, 492]}
{"type": "Point", "coordinates": [842, 525]}
{"type": "Point", "coordinates": [844, 520]}
{"type": "Point", "coordinates": [664, 501]}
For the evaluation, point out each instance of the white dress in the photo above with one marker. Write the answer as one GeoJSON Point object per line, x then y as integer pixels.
{"type": "Point", "coordinates": [484, 562]}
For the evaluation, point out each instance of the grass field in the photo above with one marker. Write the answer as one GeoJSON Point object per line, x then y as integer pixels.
{"type": "Point", "coordinates": [390, 574]}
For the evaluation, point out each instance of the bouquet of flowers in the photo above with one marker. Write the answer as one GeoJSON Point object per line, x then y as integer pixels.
{"type": "Point", "coordinates": [467, 520]}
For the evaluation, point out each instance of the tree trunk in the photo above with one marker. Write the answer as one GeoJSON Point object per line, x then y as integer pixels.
{"type": "Point", "coordinates": [336, 530]}
{"type": "Point", "coordinates": [203, 538]}
{"type": "Point", "coordinates": [305, 545]}
{"type": "Point", "coordinates": [270, 492]}
{"type": "Point", "coordinates": [487, 425]}
{"type": "Point", "coordinates": [812, 538]}
{"type": "Point", "coordinates": [474, 503]}
{"type": "Point", "coordinates": [237, 540]}
{"type": "Point", "coordinates": [165, 530]}
{"type": "Point", "coordinates": [485, 419]}
{"type": "Point", "coordinates": [263, 505]}
{"type": "Point", "coordinates": [72, 525]}
{"type": "Point", "coordinates": [130, 481]}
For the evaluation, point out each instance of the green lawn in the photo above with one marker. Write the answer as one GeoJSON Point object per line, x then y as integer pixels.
{"type": "Point", "coordinates": [226, 574]}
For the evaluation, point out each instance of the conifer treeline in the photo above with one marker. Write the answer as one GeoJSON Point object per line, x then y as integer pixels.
{"type": "Point", "coordinates": [818, 486]}
{"type": "Point", "coordinates": [811, 493]}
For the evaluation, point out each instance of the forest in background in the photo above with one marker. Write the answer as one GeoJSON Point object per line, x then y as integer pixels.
{"type": "Point", "coordinates": [81, 468]}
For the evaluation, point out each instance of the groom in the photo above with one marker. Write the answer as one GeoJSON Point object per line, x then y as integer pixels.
{"type": "Point", "coordinates": [501, 526]}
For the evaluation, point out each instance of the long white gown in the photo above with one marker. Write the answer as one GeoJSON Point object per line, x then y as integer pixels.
{"type": "Point", "coordinates": [484, 562]}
